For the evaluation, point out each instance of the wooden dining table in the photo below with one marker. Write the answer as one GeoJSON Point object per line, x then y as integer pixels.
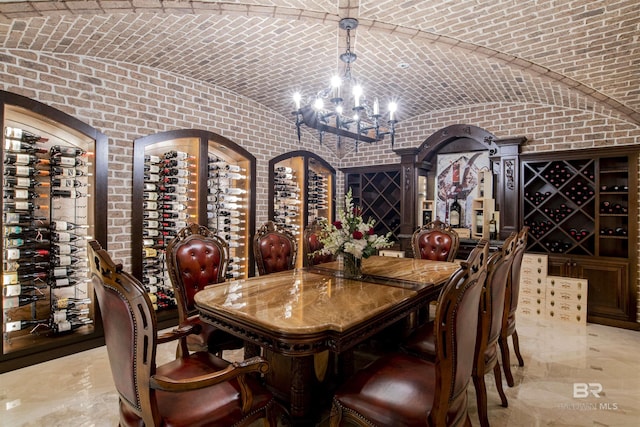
{"type": "Point", "coordinates": [299, 319]}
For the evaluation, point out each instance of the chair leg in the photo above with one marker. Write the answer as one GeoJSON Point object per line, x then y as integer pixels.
{"type": "Point", "coordinates": [481, 399]}
{"type": "Point", "coordinates": [498, 377]}
{"type": "Point", "coordinates": [506, 364]}
{"type": "Point", "coordinates": [516, 348]}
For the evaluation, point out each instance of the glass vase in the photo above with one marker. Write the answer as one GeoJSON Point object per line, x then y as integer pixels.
{"type": "Point", "coordinates": [351, 267]}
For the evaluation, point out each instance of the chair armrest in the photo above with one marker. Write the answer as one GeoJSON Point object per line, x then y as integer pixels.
{"type": "Point", "coordinates": [180, 332]}
{"type": "Point", "coordinates": [235, 369]}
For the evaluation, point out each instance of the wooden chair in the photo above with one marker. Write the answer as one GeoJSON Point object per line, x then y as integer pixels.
{"type": "Point", "coordinates": [194, 389]}
{"type": "Point", "coordinates": [435, 241]}
{"type": "Point", "coordinates": [312, 244]}
{"type": "Point", "coordinates": [399, 389]}
{"type": "Point", "coordinates": [422, 342]}
{"type": "Point", "coordinates": [197, 257]}
{"type": "Point", "coordinates": [274, 249]}
{"type": "Point", "coordinates": [510, 308]}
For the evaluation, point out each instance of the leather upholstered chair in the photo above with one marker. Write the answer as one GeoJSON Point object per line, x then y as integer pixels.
{"type": "Point", "coordinates": [197, 257]}
{"type": "Point", "coordinates": [435, 241]}
{"type": "Point", "coordinates": [422, 342]}
{"type": "Point", "coordinates": [399, 389]}
{"type": "Point", "coordinates": [194, 389]}
{"type": "Point", "coordinates": [312, 244]}
{"type": "Point", "coordinates": [274, 249]}
{"type": "Point", "coordinates": [511, 306]}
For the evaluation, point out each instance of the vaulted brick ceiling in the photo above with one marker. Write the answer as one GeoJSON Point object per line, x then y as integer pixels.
{"type": "Point", "coordinates": [454, 53]}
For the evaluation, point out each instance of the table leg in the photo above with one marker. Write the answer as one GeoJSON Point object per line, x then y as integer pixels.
{"type": "Point", "coordinates": [302, 378]}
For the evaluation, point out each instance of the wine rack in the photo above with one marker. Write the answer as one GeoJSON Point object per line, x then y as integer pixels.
{"type": "Point", "coordinates": [379, 194]}
{"type": "Point", "coordinates": [50, 210]}
{"type": "Point", "coordinates": [559, 206]}
{"type": "Point", "coordinates": [302, 190]}
{"type": "Point", "coordinates": [190, 176]}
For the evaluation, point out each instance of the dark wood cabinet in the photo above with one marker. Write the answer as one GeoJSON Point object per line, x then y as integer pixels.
{"type": "Point", "coordinates": [581, 212]}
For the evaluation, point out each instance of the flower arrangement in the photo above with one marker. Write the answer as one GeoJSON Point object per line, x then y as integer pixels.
{"type": "Point", "coordinates": [351, 234]}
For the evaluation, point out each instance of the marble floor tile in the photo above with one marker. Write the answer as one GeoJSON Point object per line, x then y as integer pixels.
{"type": "Point", "coordinates": [78, 390]}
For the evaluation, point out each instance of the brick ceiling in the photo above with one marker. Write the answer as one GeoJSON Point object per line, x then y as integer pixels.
{"type": "Point", "coordinates": [454, 53]}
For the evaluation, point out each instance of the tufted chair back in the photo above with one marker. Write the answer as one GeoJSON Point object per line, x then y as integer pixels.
{"type": "Point", "coordinates": [312, 243]}
{"type": "Point", "coordinates": [197, 257]}
{"type": "Point", "coordinates": [274, 249]}
{"type": "Point", "coordinates": [435, 241]}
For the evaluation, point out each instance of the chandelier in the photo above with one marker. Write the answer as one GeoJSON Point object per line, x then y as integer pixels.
{"type": "Point", "coordinates": [355, 118]}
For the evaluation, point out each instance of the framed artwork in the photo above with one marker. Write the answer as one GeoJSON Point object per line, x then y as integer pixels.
{"type": "Point", "coordinates": [457, 178]}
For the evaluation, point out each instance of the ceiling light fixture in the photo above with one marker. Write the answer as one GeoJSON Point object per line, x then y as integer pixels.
{"type": "Point", "coordinates": [363, 125]}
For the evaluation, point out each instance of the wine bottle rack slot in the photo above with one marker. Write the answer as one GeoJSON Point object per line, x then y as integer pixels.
{"type": "Point", "coordinates": [47, 185]}
{"type": "Point", "coordinates": [578, 206]}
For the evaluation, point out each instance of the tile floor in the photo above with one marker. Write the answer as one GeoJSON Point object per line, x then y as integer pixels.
{"type": "Point", "coordinates": [77, 390]}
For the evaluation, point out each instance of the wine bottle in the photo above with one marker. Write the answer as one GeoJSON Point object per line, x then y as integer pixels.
{"type": "Point", "coordinates": [150, 214]}
{"type": "Point", "coordinates": [22, 193]}
{"type": "Point", "coordinates": [20, 300]}
{"type": "Point", "coordinates": [64, 249]}
{"type": "Point", "coordinates": [65, 260]}
{"type": "Point", "coordinates": [180, 155]}
{"type": "Point", "coordinates": [151, 177]}
{"type": "Point", "coordinates": [23, 205]}
{"type": "Point", "coordinates": [67, 183]}
{"type": "Point", "coordinates": [493, 227]}
{"type": "Point", "coordinates": [175, 163]}
{"type": "Point", "coordinates": [479, 222]}
{"type": "Point", "coordinates": [67, 172]}
{"type": "Point", "coordinates": [65, 225]}
{"type": "Point", "coordinates": [67, 193]}
{"type": "Point", "coordinates": [23, 135]}
{"type": "Point", "coordinates": [175, 180]}
{"type": "Point", "coordinates": [63, 237]}
{"type": "Point", "coordinates": [62, 303]}
{"type": "Point", "coordinates": [22, 147]}
{"type": "Point", "coordinates": [68, 151]}
{"type": "Point", "coordinates": [24, 182]}
{"type": "Point", "coordinates": [18, 325]}
{"type": "Point", "coordinates": [233, 274]}
{"type": "Point", "coordinates": [455, 212]}
{"type": "Point", "coordinates": [152, 232]}
{"type": "Point", "coordinates": [70, 325]}
{"type": "Point", "coordinates": [24, 171]}
{"type": "Point", "coordinates": [17, 290]}
{"type": "Point", "coordinates": [64, 282]}
{"type": "Point", "coordinates": [67, 162]}
{"type": "Point", "coordinates": [150, 196]}
{"type": "Point", "coordinates": [19, 242]}
{"type": "Point", "coordinates": [13, 253]}
{"type": "Point", "coordinates": [151, 159]}
{"type": "Point", "coordinates": [68, 314]}
{"type": "Point", "coordinates": [23, 159]}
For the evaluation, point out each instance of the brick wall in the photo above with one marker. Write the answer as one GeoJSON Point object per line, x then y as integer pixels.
{"type": "Point", "coordinates": [126, 102]}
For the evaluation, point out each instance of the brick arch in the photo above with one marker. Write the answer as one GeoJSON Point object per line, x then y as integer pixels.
{"type": "Point", "coordinates": [19, 10]}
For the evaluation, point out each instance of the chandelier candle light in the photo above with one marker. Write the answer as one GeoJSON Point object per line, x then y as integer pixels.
{"type": "Point", "coordinates": [364, 124]}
